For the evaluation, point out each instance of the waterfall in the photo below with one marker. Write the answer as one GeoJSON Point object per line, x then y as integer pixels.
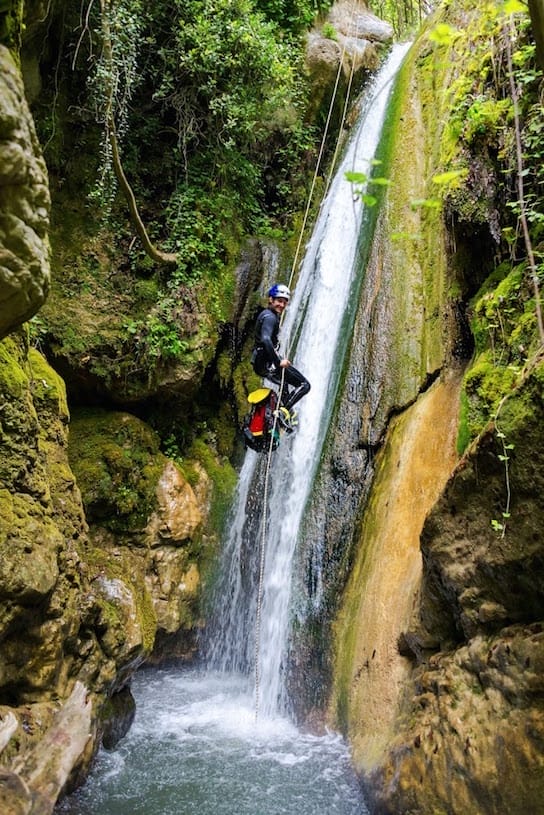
{"type": "Point", "coordinates": [317, 330]}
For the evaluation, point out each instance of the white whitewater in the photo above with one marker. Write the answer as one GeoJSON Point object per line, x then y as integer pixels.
{"type": "Point", "coordinates": [314, 323]}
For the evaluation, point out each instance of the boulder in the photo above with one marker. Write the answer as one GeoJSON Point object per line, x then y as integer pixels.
{"type": "Point", "coordinates": [24, 205]}
{"type": "Point", "coordinates": [354, 20]}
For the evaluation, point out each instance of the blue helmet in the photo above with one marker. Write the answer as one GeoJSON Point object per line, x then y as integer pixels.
{"type": "Point", "coordinates": [279, 290]}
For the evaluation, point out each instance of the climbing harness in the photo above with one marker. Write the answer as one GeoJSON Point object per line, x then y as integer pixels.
{"type": "Point", "coordinates": [258, 427]}
{"type": "Point", "coordinates": [271, 447]}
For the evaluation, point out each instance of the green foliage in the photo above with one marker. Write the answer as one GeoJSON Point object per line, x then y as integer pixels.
{"type": "Point", "coordinates": [112, 84]}
{"type": "Point", "coordinates": [156, 338]}
{"type": "Point", "coordinates": [480, 107]}
{"type": "Point", "coordinates": [329, 31]}
{"type": "Point", "coordinates": [226, 74]}
{"type": "Point", "coordinates": [404, 15]}
{"type": "Point", "coordinates": [477, 174]}
{"type": "Point", "coordinates": [294, 15]}
{"type": "Point", "coordinates": [361, 183]}
{"type": "Point", "coordinates": [226, 88]}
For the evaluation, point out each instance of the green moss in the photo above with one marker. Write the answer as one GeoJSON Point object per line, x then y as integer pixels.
{"type": "Point", "coordinates": [117, 463]}
{"type": "Point", "coordinates": [13, 379]}
{"type": "Point", "coordinates": [125, 569]}
{"type": "Point", "coordinates": [524, 405]}
{"type": "Point", "coordinates": [223, 477]}
{"type": "Point", "coordinates": [464, 434]}
{"type": "Point", "coordinates": [11, 23]}
{"type": "Point", "coordinates": [497, 307]}
{"type": "Point", "coordinates": [223, 426]}
{"type": "Point", "coordinates": [244, 381]}
{"type": "Point", "coordinates": [48, 388]}
{"type": "Point", "coordinates": [485, 385]}
{"type": "Point", "coordinates": [504, 327]}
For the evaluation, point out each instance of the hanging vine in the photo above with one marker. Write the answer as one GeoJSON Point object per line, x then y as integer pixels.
{"type": "Point", "coordinates": [115, 79]}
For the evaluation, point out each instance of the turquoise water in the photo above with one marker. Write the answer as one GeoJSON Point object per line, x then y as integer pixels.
{"type": "Point", "coordinates": [196, 749]}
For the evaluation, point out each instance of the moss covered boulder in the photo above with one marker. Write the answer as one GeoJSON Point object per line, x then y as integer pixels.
{"type": "Point", "coordinates": [24, 205]}
{"type": "Point", "coordinates": [145, 523]}
{"type": "Point", "coordinates": [66, 614]}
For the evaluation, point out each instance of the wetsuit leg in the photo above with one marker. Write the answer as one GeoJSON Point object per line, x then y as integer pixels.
{"type": "Point", "coordinates": [298, 387]}
{"type": "Point", "coordinates": [295, 384]}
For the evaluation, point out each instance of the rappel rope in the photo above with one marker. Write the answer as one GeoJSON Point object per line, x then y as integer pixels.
{"type": "Point", "coordinates": [262, 556]}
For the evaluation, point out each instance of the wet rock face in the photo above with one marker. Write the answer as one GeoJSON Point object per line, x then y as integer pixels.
{"type": "Point", "coordinates": [24, 205]}
{"type": "Point", "coordinates": [473, 742]}
{"type": "Point", "coordinates": [472, 729]}
{"type": "Point", "coordinates": [480, 578]}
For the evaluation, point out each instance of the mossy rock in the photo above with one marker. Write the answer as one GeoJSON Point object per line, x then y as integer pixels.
{"type": "Point", "coordinates": [117, 463]}
{"type": "Point", "coordinates": [222, 475]}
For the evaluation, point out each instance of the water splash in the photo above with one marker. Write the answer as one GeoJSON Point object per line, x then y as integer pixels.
{"type": "Point", "coordinates": [195, 749]}
{"type": "Point", "coordinates": [314, 327]}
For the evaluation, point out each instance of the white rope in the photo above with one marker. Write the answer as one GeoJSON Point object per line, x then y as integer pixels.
{"type": "Point", "coordinates": [262, 554]}
{"type": "Point", "coordinates": [322, 146]}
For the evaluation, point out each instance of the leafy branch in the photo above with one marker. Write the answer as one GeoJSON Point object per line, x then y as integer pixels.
{"type": "Point", "coordinates": [500, 526]}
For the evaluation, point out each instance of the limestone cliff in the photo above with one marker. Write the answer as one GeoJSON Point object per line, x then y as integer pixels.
{"type": "Point", "coordinates": [439, 637]}
{"type": "Point", "coordinates": [24, 205]}
{"type": "Point", "coordinates": [78, 605]}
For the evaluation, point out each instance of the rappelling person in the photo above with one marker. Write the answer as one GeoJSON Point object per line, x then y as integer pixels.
{"type": "Point", "coordinates": [267, 362]}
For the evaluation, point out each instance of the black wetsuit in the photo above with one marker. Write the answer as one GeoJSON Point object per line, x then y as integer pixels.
{"type": "Point", "coordinates": [266, 361]}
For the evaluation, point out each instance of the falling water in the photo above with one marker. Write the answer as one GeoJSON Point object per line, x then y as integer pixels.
{"type": "Point", "coordinates": [316, 324]}
{"type": "Point", "coordinates": [196, 746]}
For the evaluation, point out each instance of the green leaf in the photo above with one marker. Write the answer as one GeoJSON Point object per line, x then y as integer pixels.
{"type": "Point", "coordinates": [369, 200]}
{"type": "Point", "coordinates": [356, 178]}
{"type": "Point", "coordinates": [448, 177]}
{"type": "Point", "coordinates": [381, 182]}
{"type": "Point", "coordinates": [514, 7]}
{"type": "Point", "coordinates": [443, 34]}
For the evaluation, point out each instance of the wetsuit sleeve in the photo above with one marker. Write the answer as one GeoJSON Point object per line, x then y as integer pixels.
{"type": "Point", "coordinates": [268, 333]}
